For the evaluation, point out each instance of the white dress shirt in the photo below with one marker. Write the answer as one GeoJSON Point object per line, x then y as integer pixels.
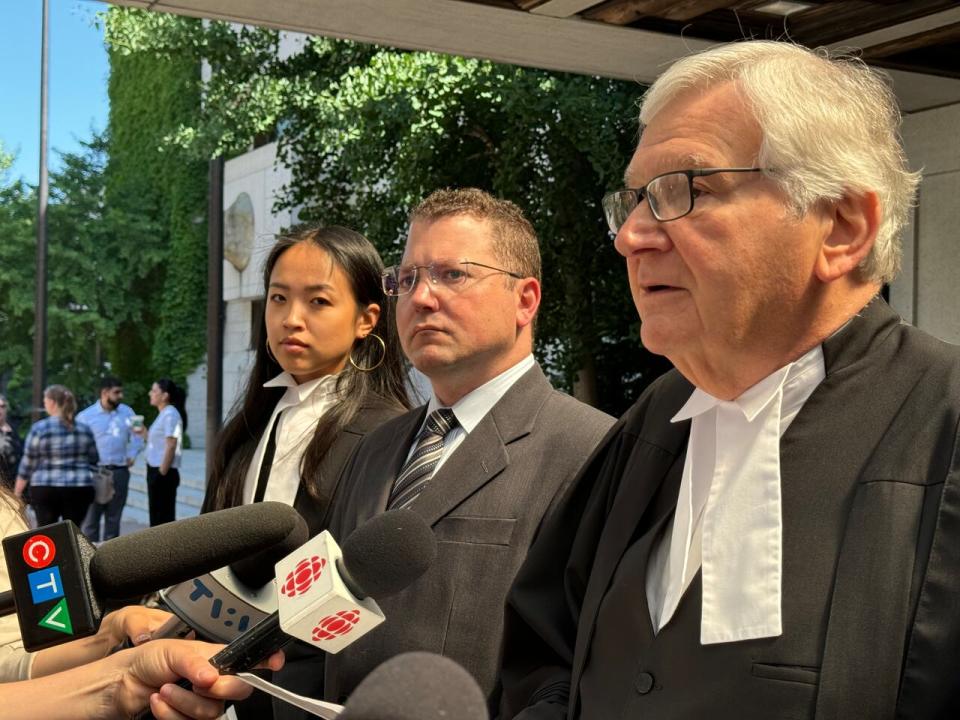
{"type": "Point", "coordinates": [301, 407]}
{"type": "Point", "coordinates": [728, 519]}
{"type": "Point", "coordinates": [473, 407]}
{"type": "Point", "coordinates": [167, 424]}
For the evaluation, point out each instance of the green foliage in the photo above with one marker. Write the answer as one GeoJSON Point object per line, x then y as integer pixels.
{"type": "Point", "coordinates": [368, 132]}
{"type": "Point", "coordinates": [92, 268]}
{"type": "Point", "coordinates": [17, 258]}
{"type": "Point", "coordinates": [367, 146]}
{"type": "Point", "coordinates": [147, 176]}
{"type": "Point", "coordinates": [126, 244]}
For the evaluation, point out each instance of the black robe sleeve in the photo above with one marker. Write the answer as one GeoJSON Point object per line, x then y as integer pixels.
{"type": "Point", "coordinates": [544, 603]}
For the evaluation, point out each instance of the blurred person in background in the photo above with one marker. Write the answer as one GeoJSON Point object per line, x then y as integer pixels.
{"type": "Point", "coordinates": [164, 448]}
{"type": "Point", "coordinates": [10, 446]}
{"type": "Point", "coordinates": [111, 421]}
{"type": "Point", "coordinates": [58, 462]}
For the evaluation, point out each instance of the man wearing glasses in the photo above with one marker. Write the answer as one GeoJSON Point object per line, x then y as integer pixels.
{"type": "Point", "coordinates": [773, 530]}
{"type": "Point", "coordinates": [486, 458]}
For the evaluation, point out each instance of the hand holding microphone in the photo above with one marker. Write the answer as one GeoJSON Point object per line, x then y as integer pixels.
{"type": "Point", "coordinates": [325, 594]}
{"type": "Point", "coordinates": [60, 582]}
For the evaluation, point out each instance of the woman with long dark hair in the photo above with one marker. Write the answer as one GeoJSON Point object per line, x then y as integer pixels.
{"type": "Point", "coordinates": [58, 461]}
{"type": "Point", "coordinates": [164, 447]}
{"type": "Point", "coordinates": [327, 370]}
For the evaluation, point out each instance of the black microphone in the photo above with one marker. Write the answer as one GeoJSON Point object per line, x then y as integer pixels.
{"type": "Point", "coordinates": [60, 582]}
{"type": "Point", "coordinates": [417, 686]}
{"type": "Point", "coordinates": [380, 558]}
{"type": "Point", "coordinates": [221, 605]}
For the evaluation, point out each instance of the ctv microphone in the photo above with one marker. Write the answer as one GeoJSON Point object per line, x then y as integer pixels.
{"type": "Point", "coordinates": [224, 603]}
{"type": "Point", "coordinates": [326, 594]}
{"type": "Point", "coordinates": [60, 582]}
{"type": "Point", "coordinates": [417, 686]}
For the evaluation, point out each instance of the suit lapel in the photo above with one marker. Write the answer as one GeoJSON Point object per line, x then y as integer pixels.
{"type": "Point", "coordinates": [483, 453]}
{"type": "Point", "coordinates": [382, 457]}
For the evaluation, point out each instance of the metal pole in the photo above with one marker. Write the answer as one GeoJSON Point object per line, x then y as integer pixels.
{"type": "Point", "coordinates": [40, 318]}
{"type": "Point", "coordinates": [215, 314]}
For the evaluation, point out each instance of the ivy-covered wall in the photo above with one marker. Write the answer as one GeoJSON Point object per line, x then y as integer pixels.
{"type": "Point", "coordinates": [150, 98]}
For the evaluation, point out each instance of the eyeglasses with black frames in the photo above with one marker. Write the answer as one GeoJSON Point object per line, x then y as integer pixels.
{"type": "Point", "coordinates": [670, 196]}
{"type": "Point", "coordinates": [449, 274]}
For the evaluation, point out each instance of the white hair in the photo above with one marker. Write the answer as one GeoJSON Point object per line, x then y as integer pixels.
{"type": "Point", "coordinates": [830, 126]}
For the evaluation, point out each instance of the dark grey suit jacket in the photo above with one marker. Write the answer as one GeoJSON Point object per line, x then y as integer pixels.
{"type": "Point", "coordinates": [870, 474]}
{"type": "Point", "coordinates": [485, 504]}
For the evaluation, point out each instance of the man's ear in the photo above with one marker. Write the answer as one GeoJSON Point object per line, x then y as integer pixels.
{"type": "Point", "coordinates": [855, 221]}
{"type": "Point", "coordinates": [528, 300]}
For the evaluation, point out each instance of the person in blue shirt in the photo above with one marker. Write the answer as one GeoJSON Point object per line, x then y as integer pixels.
{"type": "Point", "coordinates": [59, 458]}
{"type": "Point", "coordinates": [112, 423]}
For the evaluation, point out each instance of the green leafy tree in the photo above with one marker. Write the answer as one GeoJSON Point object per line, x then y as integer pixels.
{"type": "Point", "coordinates": [368, 132]}
{"type": "Point", "coordinates": [17, 260]}
{"type": "Point", "coordinates": [93, 266]}
{"type": "Point", "coordinates": [366, 148]}
{"type": "Point", "coordinates": [148, 177]}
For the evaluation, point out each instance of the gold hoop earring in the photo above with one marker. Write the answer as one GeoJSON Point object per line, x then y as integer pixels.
{"type": "Point", "coordinates": [383, 356]}
{"type": "Point", "coordinates": [269, 351]}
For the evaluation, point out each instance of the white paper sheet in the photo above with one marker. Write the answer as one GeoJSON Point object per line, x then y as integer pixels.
{"type": "Point", "coordinates": [319, 708]}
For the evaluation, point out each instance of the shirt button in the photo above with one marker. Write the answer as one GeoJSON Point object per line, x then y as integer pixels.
{"type": "Point", "coordinates": [644, 683]}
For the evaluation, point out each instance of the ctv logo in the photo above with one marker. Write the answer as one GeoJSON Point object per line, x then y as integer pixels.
{"type": "Point", "coordinates": [39, 551]}
{"type": "Point", "coordinates": [303, 576]}
{"type": "Point", "coordinates": [334, 626]}
{"type": "Point", "coordinates": [45, 583]}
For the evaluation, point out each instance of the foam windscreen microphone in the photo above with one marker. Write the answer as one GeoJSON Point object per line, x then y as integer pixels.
{"type": "Point", "coordinates": [130, 565]}
{"type": "Point", "coordinates": [224, 603]}
{"type": "Point", "coordinates": [417, 686]}
{"type": "Point", "coordinates": [60, 583]}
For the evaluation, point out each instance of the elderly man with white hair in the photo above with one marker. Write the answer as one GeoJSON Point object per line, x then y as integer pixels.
{"type": "Point", "coordinates": [773, 530]}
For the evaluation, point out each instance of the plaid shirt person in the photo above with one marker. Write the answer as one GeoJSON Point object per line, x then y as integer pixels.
{"type": "Point", "coordinates": [55, 455]}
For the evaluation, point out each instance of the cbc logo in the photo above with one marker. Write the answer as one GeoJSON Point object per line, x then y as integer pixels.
{"type": "Point", "coordinates": [303, 576]}
{"type": "Point", "coordinates": [334, 626]}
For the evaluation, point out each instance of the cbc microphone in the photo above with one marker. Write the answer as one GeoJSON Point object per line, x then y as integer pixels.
{"type": "Point", "coordinates": [417, 686]}
{"type": "Point", "coordinates": [60, 582]}
{"type": "Point", "coordinates": [379, 558]}
{"type": "Point", "coordinates": [326, 595]}
{"type": "Point", "coordinates": [224, 603]}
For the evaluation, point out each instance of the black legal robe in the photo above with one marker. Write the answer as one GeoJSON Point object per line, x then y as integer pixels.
{"type": "Point", "coordinates": [870, 474]}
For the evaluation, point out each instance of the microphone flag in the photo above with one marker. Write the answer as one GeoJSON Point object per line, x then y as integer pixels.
{"type": "Point", "coordinates": [314, 603]}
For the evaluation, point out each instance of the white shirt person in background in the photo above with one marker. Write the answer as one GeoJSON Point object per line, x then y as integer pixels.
{"type": "Point", "coordinates": [164, 447]}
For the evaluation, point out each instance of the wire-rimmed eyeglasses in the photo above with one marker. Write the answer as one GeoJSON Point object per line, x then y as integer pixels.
{"type": "Point", "coordinates": [670, 196]}
{"type": "Point", "coordinates": [452, 274]}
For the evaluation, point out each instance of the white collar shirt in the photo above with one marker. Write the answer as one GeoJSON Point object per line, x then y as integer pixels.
{"type": "Point", "coordinates": [474, 406]}
{"type": "Point", "coordinates": [296, 415]}
{"type": "Point", "coordinates": [728, 519]}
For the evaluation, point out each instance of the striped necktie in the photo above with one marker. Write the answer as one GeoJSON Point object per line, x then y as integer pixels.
{"type": "Point", "coordinates": [418, 469]}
